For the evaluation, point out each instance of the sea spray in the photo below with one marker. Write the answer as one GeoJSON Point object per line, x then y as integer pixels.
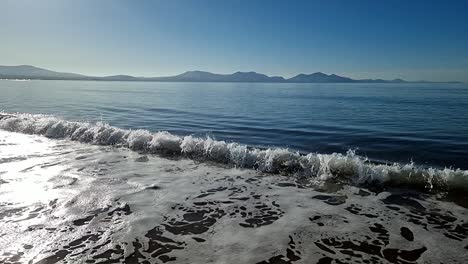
{"type": "Point", "coordinates": [349, 167]}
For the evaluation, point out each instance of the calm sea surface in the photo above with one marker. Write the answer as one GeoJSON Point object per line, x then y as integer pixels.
{"type": "Point", "coordinates": [424, 123]}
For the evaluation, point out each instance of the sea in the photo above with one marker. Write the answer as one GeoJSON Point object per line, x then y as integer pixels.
{"type": "Point", "coordinates": [155, 172]}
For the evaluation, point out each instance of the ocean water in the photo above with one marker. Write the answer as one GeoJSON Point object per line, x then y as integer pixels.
{"type": "Point", "coordinates": [421, 123]}
{"type": "Point", "coordinates": [134, 172]}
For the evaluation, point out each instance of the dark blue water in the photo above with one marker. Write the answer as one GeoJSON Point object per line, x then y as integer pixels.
{"type": "Point", "coordinates": [424, 123]}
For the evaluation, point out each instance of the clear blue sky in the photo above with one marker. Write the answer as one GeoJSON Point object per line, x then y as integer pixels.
{"type": "Point", "coordinates": [408, 39]}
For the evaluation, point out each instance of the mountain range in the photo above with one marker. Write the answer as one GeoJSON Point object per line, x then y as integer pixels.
{"type": "Point", "coordinates": [31, 72]}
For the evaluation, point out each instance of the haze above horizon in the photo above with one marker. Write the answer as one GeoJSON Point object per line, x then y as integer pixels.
{"type": "Point", "coordinates": [412, 40]}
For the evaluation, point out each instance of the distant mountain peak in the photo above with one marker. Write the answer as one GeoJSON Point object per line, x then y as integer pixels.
{"type": "Point", "coordinates": [319, 74]}
{"type": "Point", "coordinates": [195, 71]}
{"type": "Point", "coordinates": [29, 71]}
{"type": "Point", "coordinates": [319, 77]}
{"type": "Point", "coordinates": [251, 73]}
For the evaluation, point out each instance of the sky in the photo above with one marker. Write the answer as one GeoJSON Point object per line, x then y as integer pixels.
{"type": "Point", "coordinates": [413, 40]}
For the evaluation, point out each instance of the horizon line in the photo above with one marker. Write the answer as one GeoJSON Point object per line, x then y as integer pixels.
{"type": "Point", "coordinates": [185, 71]}
{"type": "Point", "coordinates": [205, 71]}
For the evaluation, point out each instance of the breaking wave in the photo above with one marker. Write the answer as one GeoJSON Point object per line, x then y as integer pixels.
{"type": "Point", "coordinates": [349, 167]}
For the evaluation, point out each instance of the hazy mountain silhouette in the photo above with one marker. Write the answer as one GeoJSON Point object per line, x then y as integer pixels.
{"type": "Point", "coordinates": [201, 76]}
{"type": "Point", "coordinates": [319, 77]}
{"type": "Point", "coordinates": [31, 72]}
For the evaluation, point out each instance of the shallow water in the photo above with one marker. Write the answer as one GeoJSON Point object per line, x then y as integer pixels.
{"type": "Point", "coordinates": [424, 123]}
{"type": "Point", "coordinates": [93, 181]}
{"type": "Point", "coordinates": [68, 202]}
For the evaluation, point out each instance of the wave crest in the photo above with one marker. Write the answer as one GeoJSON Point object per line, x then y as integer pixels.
{"type": "Point", "coordinates": [347, 167]}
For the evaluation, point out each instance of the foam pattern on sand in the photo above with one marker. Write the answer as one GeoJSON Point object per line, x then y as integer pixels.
{"type": "Point", "coordinates": [62, 201]}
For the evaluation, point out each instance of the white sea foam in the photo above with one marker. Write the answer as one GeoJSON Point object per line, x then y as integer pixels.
{"type": "Point", "coordinates": [62, 198]}
{"type": "Point", "coordinates": [347, 167]}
